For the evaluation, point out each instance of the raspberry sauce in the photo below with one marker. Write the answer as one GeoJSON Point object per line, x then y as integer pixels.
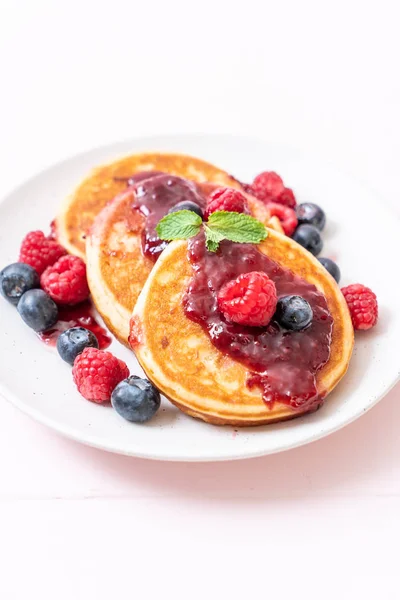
{"type": "Point", "coordinates": [282, 363]}
{"type": "Point", "coordinates": [80, 315]}
{"type": "Point", "coordinates": [53, 230]}
{"type": "Point", "coordinates": [155, 194]}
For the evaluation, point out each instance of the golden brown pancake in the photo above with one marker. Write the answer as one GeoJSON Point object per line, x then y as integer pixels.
{"type": "Point", "coordinates": [116, 266]}
{"type": "Point", "coordinates": [80, 209]}
{"type": "Point", "coordinates": [182, 362]}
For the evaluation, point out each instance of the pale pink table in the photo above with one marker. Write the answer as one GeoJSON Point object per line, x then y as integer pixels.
{"type": "Point", "coordinates": [78, 520]}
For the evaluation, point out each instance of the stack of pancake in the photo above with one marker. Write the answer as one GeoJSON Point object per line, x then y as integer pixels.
{"type": "Point", "coordinates": [131, 291]}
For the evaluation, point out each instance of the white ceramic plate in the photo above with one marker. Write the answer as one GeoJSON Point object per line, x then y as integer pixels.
{"type": "Point", "coordinates": [362, 235]}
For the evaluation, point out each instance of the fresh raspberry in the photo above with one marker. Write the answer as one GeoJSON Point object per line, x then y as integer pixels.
{"type": "Point", "coordinates": [39, 251]}
{"type": "Point", "coordinates": [267, 186]}
{"type": "Point", "coordinates": [287, 198]}
{"type": "Point", "coordinates": [362, 304]}
{"type": "Point", "coordinates": [286, 215]}
{"type": "Point", "coordinates": [96, 373]}
{"type": "Point", "coordinates": [66, 281]}
{"type": "Point", "coordinates": [249, 300]}
{"type": "Point", "coordinates": [226, 199]}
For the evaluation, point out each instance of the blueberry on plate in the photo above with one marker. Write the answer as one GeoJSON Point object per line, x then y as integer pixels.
{"type": "Point", "coordinates": [136, 399]}
{"type": "Point", "coordinates": [293, 313]}
{"type": "Point", "coordinates": [311, 214]}
{"type": "Point", "coordinates": [187, 205]}
{"type": "Point", "coordinates": [16, 279]}
{"type": "Point", "coordinates": [331, 267]}
{"type": "Point", "coordinates": [38, 310]}
{"type": "Point", "coordinates": [73, 341]}
{"type": "Point", "coordinates": [309, 237]}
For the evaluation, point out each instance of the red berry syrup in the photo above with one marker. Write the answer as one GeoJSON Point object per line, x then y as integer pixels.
{"type": "Point", "coordinates": [53, 230]}
{"type": "Point", "coordinates": [154, 196]}
{"type": "Point", "coordinates": [80, 315]}
{"type": "Point", "coordinates": [282, 363]}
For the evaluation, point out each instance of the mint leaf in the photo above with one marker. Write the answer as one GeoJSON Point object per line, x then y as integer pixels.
{"type": "Point", "coordinates": [236, 227]}
{"type": "Point", "coordinates": [221, 225]}
{"type": "Point", "coordinates": [179, 225]}
{"type": "Point", "coordinates": [213, 239]}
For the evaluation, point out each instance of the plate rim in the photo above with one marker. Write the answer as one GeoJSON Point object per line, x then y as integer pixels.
{"type": "Point", "coordinates": [92, 440]}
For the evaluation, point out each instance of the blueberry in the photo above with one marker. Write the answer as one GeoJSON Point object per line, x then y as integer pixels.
{"type": "Point", "coordinates": [16, 279]}
{"type": "Point", "coordinates": [308, 237]}
{"type": "Point", "coordinates": [73, 341]}
{"type": "Point", "coordinates": [187, 205]}
{"type": "Point", "coordinates": [136, 399]}
{"type": "Point", "coordinates": [293, 312]}
{"type": "Point", "coordinates": [38, 310]}
{"type": "Point", "coordinates": [311, 214]}
{"type": "Point", "coordinates": [331, 267]}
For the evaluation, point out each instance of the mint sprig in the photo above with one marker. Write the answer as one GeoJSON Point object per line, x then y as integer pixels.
{"type": "Point", "coordinates": [179, 225]}
{"type": "Point", "coordinates": [237, 227]}
{"type": "Point", "coordinates": [221, 225]}
{"type": "Point", "coordinates": [213, 238]}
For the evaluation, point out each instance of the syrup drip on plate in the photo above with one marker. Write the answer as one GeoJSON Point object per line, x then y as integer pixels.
{"type": "Point", "coordinates": [81, 315]}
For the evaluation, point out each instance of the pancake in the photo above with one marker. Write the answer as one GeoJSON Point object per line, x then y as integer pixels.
{"type": "Point", "coordinates": [104, 183]}
{"type": "Point", "coordinates": [179, 358]}
{"type": "Point", "coordinates": [116, 267]}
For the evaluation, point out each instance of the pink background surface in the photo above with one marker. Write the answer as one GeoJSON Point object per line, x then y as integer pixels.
{"type": "Point", "coordinates": [80, 521]}
{"type": "Point", "coordinates": [321, 521]}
